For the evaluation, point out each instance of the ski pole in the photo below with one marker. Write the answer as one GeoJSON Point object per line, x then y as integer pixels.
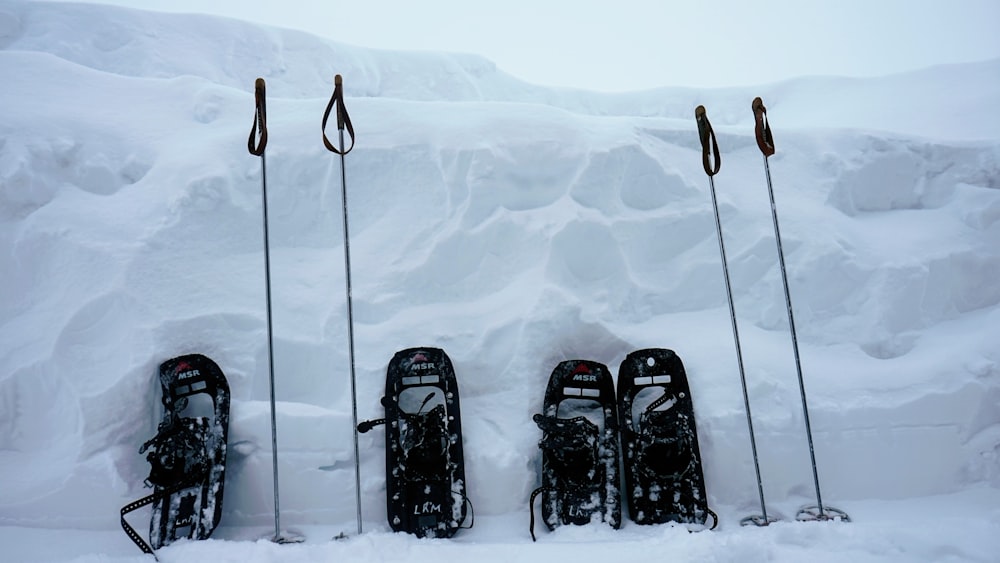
{"type": "Point", "coordinates": [344, 120]}
{"type": "Point", "coordinates": [256, 144]}
{"type": "Point", "coordinates": [765, 141]}
{"type": "Point", "coordinates": [712, 162]}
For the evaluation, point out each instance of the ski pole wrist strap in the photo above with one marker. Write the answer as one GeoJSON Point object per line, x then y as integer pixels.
{"type": "Point", "coordinates": [257, 144]}
{"type": "Point", "coordinates": [709, 146]}
{"type": "Point", "coordinates": [343, 119]}
{"type": "Point", "coordinates": [762, 129]}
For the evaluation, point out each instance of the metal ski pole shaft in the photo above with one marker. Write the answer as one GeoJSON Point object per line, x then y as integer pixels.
{"type": "Point", "coordinates": [256, 148]}
{"type": "Point", "coordinates": [344, 121]}
{"type": "Point", "coordinates": [765, 141]}
{"type": "Point", "coordinates": [712, 162]}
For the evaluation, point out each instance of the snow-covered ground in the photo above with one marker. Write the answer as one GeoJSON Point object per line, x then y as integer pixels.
{"type": "Point", "coordinates": [514, 226]}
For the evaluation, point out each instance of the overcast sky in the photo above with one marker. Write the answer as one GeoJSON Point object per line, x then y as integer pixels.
{"type": "Point", "coordinates": [619, 45]}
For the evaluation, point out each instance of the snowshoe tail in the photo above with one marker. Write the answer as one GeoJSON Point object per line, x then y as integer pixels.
{"type": "Point", "coordinates": [663, 469]}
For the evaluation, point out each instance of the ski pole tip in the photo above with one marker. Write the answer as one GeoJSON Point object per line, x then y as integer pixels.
{"type": "Point", "coordinates": [338, 80]}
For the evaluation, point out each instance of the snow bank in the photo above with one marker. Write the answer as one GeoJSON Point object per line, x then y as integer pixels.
{"type": "Point", "coordinates": [512, 225]}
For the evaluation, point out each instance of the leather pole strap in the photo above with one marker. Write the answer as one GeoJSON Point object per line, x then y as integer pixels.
{"type": "Point", "coordinates": [710, 158]}
{"type": "Point", "coordinates": [343, 119]}
{"type": "Point", "coordinates": [762, 129]}
{"type": "Point", "coordinates": [257, 144]}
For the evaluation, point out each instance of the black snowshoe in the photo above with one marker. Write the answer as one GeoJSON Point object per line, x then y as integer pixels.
{"type": "Point", "coordinates": [663, 472]}
{"type": "Point", "coordinates": [579, 446]}
{"type": "Point", "coordinates": [187, 455]}
{"type": "Point", "coordinates": [425, 472]}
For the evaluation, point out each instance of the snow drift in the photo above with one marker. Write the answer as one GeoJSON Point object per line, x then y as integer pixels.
{"type": "Point", "coordinates": [512, 225]}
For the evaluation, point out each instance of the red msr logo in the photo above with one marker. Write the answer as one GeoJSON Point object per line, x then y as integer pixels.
{"type": "Point", "coordinates": [583, 373]}
{"type": "Point", "coordinates": [419, 361]}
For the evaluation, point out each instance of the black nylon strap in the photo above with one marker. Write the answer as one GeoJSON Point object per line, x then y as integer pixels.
{"type": "Point", "coordinates": [343, 119]}
{"type": "Point", "coordinates": [715, 518]}
{"type": "Point", "coordinates": [471, 510]}
{"type": "Point", "coordinates": [129, 530]}
{"type": "Point", "coordinates": [147, 500]}
{"type": "Point", "coordinates": [531, 508]}
{"type": "Point", "coordinates": [666, 396]}
{"type": "Point", "coordinates": [366, 425]}
{"type": "Point", "coordinates": [549, 423]}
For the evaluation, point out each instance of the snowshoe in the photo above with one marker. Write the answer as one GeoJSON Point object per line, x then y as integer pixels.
{"type": "Point", "coordinates": [579, 446]}
{"type": "Point", "coordinates": [425, 472]}
{"type": "Point", "coordinates": [187, 455]}
{"type": "Point", "coordinates": [663, 472]}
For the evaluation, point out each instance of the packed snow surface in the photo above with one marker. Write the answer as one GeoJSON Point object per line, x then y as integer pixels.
{"type": "Point", "coordinates": [515, 227]}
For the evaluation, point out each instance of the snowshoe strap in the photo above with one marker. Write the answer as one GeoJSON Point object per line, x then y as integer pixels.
{"type": "Point", "coordinates": [177, 451]}
{"type": "Point", "coordinates": [565, 427]}
{"type": "Point", "coordinates": [366, 425]}
{"type": "Point", "coordinates": [471, 511]}
{"type": "Point", "coordinates": [389, 404]}
{"type": "Point", "coordinates": [147, 500]}
{"type": "Point", "coordinates": [424, 443]}
{"type": "Point", "coordinates": [666, 396]}
{"type": "Point", "coordinates": [426, 400]}
{"type": "Point", "coordinates": [343, 120]}
{"type": "Point", "coordinates": [572, 444]}
{"type": "Point", "coordinates": [663, 446]}
{"type": "Point", "coordinates": [531, 508]}
{"type": "Point", "coordinates": [715, 518]}
{"type": "Point", "coordinates": [256, 146]}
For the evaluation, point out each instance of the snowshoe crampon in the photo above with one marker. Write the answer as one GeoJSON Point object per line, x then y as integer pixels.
{"type": "Point", "coordinates": [188, 454]}
{"type": "Point", "coordinates": [663, 472]}
{"type": "Point", "coordinates": [579, 446]}
{"type": "Point", "coordinates": [425, 471]}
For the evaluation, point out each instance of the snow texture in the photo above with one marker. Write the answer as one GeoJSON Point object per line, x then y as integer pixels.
{"type": "Point", "coordinates": [514, 226]}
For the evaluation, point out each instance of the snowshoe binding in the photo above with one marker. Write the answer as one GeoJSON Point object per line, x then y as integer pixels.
{"type": "Point", "coordinates": [425, 472]}
{"type": "Point", "coordinates": [187, 455]}
{"type": "Point", "coordinates": [579, 446]}
{"type": "Point", "coordinates": [663, 472]}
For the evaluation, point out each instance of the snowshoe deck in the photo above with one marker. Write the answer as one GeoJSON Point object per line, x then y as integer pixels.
{"type": "Point", "coordinates": [425, 470]}
{"type": "Point", "coordinates": [187, 455]}
{"type": "Point", "coordinates": [579, 424]}
{"type": "Point", "coordinates": [663, 470]}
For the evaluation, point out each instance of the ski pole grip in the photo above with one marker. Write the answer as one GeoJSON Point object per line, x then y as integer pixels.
{"type": "Point", "coordinates": [710, 158]}
{"type": "Point", "coordinates": [343, 119]}
{"type": "Point", "coordinates": [762, 129]}
{"type": "Point", "coordinates": [338, 84]}
{"type": "Point", "coordinates": [257, 144]}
